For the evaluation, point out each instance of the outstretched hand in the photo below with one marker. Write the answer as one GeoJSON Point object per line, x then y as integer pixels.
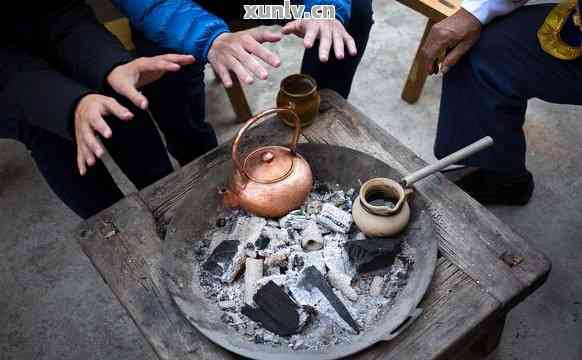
{"type": "Point", "coordinates": [89, 115]}
{"type": "Point", "coordinates": [329, 32]}
{"type": "Point", "coordinates": [243, 54]}
{"type": "Point", "coordinates": [128, 78]}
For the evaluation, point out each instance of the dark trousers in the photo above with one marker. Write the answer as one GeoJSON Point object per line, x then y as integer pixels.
{"type": "Point", "coordinates": [487, 92]}
{"type": "Point", "coordinates": [335, 74]}
{"type": "Point", "coordinates": [135, 146]}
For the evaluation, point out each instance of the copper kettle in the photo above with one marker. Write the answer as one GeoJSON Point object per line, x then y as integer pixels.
{"type": "Point", "coordinates": [272, 180]}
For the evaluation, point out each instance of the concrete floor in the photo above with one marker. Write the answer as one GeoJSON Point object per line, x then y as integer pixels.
{"type": "Point", "coordinates": [53, 305]}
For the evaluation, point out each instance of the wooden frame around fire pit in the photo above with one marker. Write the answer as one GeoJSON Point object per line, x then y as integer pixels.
{"type": "Point", "coordinates": [485, 269]}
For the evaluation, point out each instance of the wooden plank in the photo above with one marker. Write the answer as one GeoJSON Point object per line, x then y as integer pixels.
{"type": "Point", "coordinates": [120, 28]}
{"type": "Point", "coordinates": [238, 100]}
{"type": "Point", "coordinates": [435, 10]}
{"type": "Point", "coordinates": [123, 245]}
{"type": "Point", "coordinates": [454, 306]}
{"type": "Point", "coordinates": [417, 75]}
{"type": "Point", "coordinates": [471, 236]}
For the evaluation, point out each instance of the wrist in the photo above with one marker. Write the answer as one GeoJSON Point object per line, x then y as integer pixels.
{"type": "Point", "coordinates": [107, 83]}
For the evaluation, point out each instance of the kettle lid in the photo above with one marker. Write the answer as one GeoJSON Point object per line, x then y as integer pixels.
{"type": "Point", "coordinates": [269, 164]}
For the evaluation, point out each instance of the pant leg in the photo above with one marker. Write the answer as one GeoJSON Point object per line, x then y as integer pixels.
{"type": "Point", "coordinates": [137, 147]}
{"type": "Point", "coordinates": [56, 158]}
{"type": "Point", "coordinates": [338, 75]}
{"type": "Point", "coordinates": [178, 104]}
{"type": "Point", "coordinates": [486, 93]}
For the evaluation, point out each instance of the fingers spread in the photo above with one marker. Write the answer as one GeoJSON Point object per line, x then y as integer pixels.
{"type": "Point", "coordinates": [351, 44]}
{"type": "Point", "coordinates": [223, 74]}
{"type": "Point", "coordinates": [157, 64]}
{"type": "Point", "coordinates": [338, 44]}
{"type": "Point", "coordinates": [241, 73]}
{"type": "Point", "coordinates": [81, 160]}
{"type": "Point", "coordinates": [293, 27]}
{"type": "Point", "coordinates": [324, 43]}
{"type": "Point", "coordinates": [99, 125]}
{"type": "Point", "coordinates": [267, 36]}
{"type": "Point", "coordinates": [134, 95]}
{"type": "Point", "coordinates": [310, 36]}
{"type": "Point", "coordinates": [115, 108]}
{"type": "Point", "coordinates": [249, 62]}
{"type": "Point", "coordinates": [90, 140]}
{"type": "Point", "coordinates": [179, 59]}
{"type": "Point", "coordinates": [254, 47]}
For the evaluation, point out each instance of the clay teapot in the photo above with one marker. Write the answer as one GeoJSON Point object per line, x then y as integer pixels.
{"type": "Point", "coordinates": [382, 208]}
{"type": "Point", "coordinates": [272, 180]}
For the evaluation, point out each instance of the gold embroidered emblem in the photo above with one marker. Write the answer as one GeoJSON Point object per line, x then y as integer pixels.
{"type": "Point", "coordinates": [549, 32]}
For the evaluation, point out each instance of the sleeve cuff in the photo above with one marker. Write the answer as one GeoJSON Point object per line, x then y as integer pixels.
{"type": "Point", "coordinates": [478, 9]}
{"type": "Point", "coordinates": [219, 30]}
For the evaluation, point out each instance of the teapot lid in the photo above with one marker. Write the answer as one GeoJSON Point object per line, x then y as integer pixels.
{"type": "Point", "coordinates": [269, 164]}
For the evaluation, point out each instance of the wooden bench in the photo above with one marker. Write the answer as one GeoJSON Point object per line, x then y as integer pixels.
{"type": "Point", "coordinates": [484, 269]}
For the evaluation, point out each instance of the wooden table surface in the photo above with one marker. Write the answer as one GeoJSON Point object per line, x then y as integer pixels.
{"type": "Point", "coordinates": [484, 268]}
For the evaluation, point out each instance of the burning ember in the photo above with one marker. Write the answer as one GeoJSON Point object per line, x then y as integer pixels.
{"type": "Point", "coordinates": [308, 280]}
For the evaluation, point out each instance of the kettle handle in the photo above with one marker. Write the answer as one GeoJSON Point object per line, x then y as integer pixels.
{"type": "Point", "coordinates": [292, 145]}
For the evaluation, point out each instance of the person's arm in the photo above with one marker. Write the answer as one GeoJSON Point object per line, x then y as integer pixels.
{"type": "Point", "coordinates": [180, 25]}
{"type": "Point", "coordinates": [452, 37]}
{"type": "Point", "coordinates": [82, 46]}
{"type": "Point", "coordinates": [487, 10]}
{"type": "Point", "coordinates": [45, 97]}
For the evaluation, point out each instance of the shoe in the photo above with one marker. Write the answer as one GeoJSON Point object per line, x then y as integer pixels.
{"type": "Point", "coordinates": [492, 188]}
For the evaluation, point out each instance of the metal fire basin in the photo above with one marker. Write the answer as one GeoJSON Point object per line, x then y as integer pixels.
{"type": "Point", "coordinates": [330, 164]}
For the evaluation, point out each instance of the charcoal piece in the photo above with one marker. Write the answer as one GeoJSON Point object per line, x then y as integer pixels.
{"type": "Point", "coordinates": [221, 258]}
{"type": "Point", "coordinates": [262, 242]}
{"type": "Point", "coordinates": [259, 339]}
{"type": "Point", "coordinates": [322, 188]}
{"type": "Point", "coordinates": [298, 262]}
{"type": "Point", "coordinates": [372, 254]}
{"type": "Point", "coordinates": [275, 310]}
{"type": "Point", "coordinates": [220, 222]}
{"type": "Point", "coordinates": [312, 278]}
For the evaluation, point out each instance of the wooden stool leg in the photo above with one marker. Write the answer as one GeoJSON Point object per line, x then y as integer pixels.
{"type": "Point", "coordinates": [416, 76]}
{"type": "Point", "coordinates": [484, 342]}
{"type": "Point", "coordinates": [490, 340]}
{"type": "Point", "coordinates": [238, 100]}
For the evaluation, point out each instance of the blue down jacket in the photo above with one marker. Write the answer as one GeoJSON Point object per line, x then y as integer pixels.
{"type": "Point", "coordinates": [186, 27]}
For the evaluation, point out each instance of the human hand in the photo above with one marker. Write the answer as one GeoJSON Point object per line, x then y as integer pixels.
{"type": "Point", "coordinates": [89, 119]}
{"type": "Point", "coordinates": [329, 32]}
{"type": "Point", "coordinates": [240, 53]}
{"type": "Point", "coordinates": [457, 33]}
{"type": "Point", "coordinates": [126, 79]}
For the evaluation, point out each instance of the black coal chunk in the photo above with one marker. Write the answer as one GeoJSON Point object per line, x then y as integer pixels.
{"type": "Point", "coordinates": [312, 278]}
{"type": "Point", "coordinates": [372, 254]}
{"type": "Point", "coordinates": [221, 257]}
{"type": "Point", "coordinates": [275, 310]}
{"type": "Point", "coordinates": [262, 242]}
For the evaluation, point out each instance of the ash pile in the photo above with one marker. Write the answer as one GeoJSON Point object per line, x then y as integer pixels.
{"type": "Point", "coordinates": [307, 280]}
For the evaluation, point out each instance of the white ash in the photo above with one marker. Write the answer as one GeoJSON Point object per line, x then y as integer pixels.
{"type": "Point", "coordinates": [312, 239]}
{"type": "Point", "coordinates": [334, 218]}
{"type": "Point", "coordinates": [284, 237]}
{"type": "Point", "coordinates": [377, 285]}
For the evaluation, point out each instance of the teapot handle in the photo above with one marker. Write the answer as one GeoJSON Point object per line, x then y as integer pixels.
{"type": "Point", "coordinates": [292, 145]}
